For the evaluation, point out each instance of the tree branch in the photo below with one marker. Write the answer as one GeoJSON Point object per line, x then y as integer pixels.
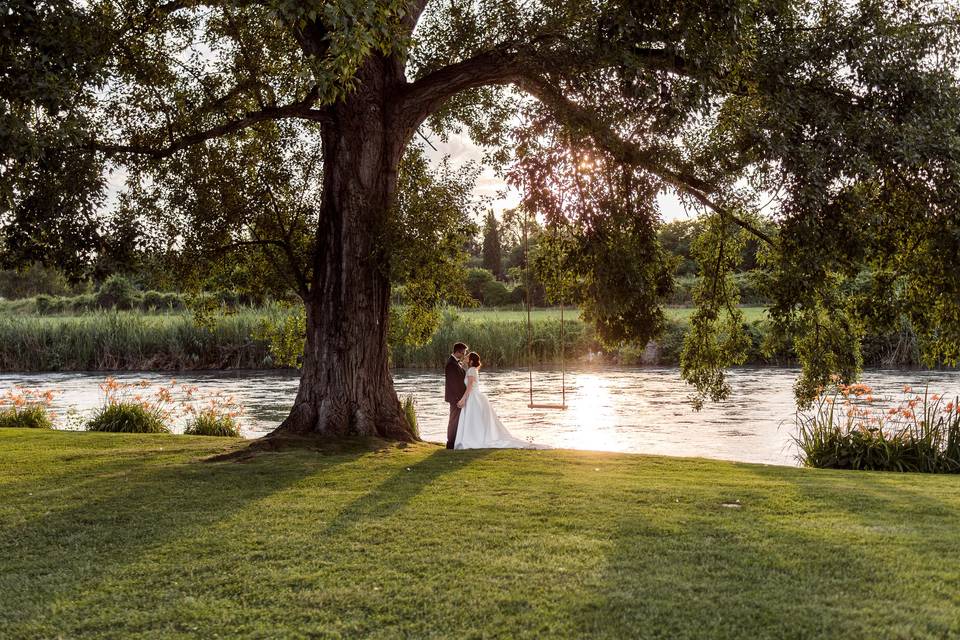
{"type": "Point", "coordinates": [301, 280]}
{"type": "Point", "coordinates": [508, 63]}
{"type": "Point", "coordinates": [414, 11]}
{"type": "Point", "coordinates": [169, 7]}
{"type": "Point", "coordinates": [631, 153]}
{"type": "Point", "coordinates": [492, 67]}
{"type": "Point", "coordinates": [300, 110]}
{"type": "Point", "coordinates": [662, 60]}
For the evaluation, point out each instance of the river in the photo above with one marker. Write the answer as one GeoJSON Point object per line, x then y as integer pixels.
{"type": "Point", "coordinates": [629, 409]}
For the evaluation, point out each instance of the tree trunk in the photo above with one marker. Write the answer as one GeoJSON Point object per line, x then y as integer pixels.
{"type": "Point", "coordinates": [345, 384]}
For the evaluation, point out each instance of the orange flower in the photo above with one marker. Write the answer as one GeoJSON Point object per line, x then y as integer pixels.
{"type": "Point", "coordinates": [907, 388]}
{"type": "Point", "coordinates": [860, 389]}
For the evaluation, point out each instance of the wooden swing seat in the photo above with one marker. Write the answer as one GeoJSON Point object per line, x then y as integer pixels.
{"type": "Point", "coordinates": [546, 405]}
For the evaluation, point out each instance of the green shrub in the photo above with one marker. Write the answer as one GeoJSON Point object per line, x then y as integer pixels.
{"type": "Point", "coordinates": [153, 300]}
{"type": "Point", "coordinates": [495, 294]}
{"type": "Point", "coordinates": [518, 295]}
{"type": "Point", "coordinates": [748, 283]}
{"type": "Point", "coordinates": [476, 282]}
{"type": "Point", "coordinates": [32, 280]}
{"type": "Point", "coordinates": [410, 412]}
{"type": "Point", "coordinates": [50, 304]}
{"type": "Point", "coordinates": [127, 417]}
{"type": "Point", "coordinates": [670, 342]}
{"type": "Point", "coordinates": [174, 301]}
{"type": "Point", "coordinates": [751, 291]}
{"type": "Point", "coordinates": [117, 292]}
{"type": "Point", "coordinates": [43, 302]}
{"type": "Point", "coordinates": [31, 416]}
{"type": "Point", "coordinates": [82, 303]}
{"type": "Point", "coordinates": [213, 423]}
{"type": "Point", "coordinates": [398, 295]}
{"type": "Point", "coordinates": [682, 293]}
{"type": "Point", "coordinates": [227, 297]}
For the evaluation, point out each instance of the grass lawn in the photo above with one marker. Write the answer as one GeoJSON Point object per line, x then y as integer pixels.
{"type": "Point", "coordinates": [126, 536]}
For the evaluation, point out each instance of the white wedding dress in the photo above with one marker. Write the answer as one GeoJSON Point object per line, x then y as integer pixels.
{"type": "Point", "coordinates": [479, 426]}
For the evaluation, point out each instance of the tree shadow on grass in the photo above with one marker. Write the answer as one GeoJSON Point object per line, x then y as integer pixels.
{"type": "Point", "coordinates": [59, 554]}
{"type": "Point", "coordinates": [398, 490]}
{"type": "Point", "coordinates": [773, 567]}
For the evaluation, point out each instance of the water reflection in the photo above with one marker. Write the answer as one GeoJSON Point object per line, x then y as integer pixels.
{"type": "Point", "coordinates": [592, 407]}
{"type": "Point", "coordinates": [611, 409]}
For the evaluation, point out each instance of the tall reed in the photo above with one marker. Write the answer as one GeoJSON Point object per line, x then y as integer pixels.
{"type": "Point", "coordinates": [410, 413]}
{"type": "Point", "coordinates": [500, 343]}
{"type": "Point", "coordinates": [120, 340]}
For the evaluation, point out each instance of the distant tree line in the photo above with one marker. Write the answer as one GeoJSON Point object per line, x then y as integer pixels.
{"type": "Point", "coordinates": [496, 274]}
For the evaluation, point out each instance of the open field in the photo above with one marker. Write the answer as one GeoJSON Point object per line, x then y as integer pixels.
{"type": "Point", "coordinates": [109, 536]}
{"type": "Point", "coordinates": [680, 314]}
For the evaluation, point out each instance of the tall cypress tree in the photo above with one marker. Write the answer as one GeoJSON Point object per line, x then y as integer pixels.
{"type": "Point", "coordinates": [492, 250]}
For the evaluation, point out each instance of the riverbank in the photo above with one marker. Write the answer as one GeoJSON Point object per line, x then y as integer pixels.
{"type": "Point", "coordinates": [137, 341]}
{"type": "Point", "coordinates": [135, 536]}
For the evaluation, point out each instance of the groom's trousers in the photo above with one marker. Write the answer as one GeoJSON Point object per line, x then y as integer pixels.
{"type": "Point", "coordinates": [452, 424]}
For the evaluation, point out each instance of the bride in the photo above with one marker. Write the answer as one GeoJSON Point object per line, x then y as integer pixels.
{"type": "Point", "coordinates": [479, 426]}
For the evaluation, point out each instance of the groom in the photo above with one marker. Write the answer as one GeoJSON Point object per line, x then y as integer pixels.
{"type": "Point", "coordinates": [454, 388]}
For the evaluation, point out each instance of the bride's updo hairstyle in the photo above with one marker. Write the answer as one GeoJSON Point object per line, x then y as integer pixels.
{"type": "Point", "coordinates": [474, 359]}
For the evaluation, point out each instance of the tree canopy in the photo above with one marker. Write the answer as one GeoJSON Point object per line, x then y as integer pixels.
{"type": "Point", "coordinates": [231, 121]}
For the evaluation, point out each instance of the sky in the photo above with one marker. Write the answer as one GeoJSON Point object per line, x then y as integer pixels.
{"type": "Point", "coordinates": [462, 149]}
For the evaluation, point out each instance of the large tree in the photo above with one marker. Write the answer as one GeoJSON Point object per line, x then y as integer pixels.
{"type": "Point", "coordinates": [845, 113]}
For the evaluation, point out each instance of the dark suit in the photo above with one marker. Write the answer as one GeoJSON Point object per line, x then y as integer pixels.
{"type": "Point", "coordinates": [454, 388]}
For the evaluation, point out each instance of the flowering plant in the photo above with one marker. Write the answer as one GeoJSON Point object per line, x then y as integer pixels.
{"type": "Point", "coordinates": [22, 407]}
{"type": "Point", "coordinates": [849, 428]}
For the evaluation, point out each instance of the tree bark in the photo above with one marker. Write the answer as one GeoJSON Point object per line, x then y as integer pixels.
{"type": "Point", "coordinates": [345, 384]}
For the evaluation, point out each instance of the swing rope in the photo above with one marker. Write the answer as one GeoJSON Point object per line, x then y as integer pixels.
{"type": "Point", "coordinates": [563, 371]}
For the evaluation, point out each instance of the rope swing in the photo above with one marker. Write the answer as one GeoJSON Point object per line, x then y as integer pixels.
{"type": "Point", "coordinates": [563, 372]}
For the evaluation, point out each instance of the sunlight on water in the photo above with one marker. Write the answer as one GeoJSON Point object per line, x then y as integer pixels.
{"type": "Point", "coordinates": [643, 410]}
{"type": "Point", "coordinates": [590, 421]}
